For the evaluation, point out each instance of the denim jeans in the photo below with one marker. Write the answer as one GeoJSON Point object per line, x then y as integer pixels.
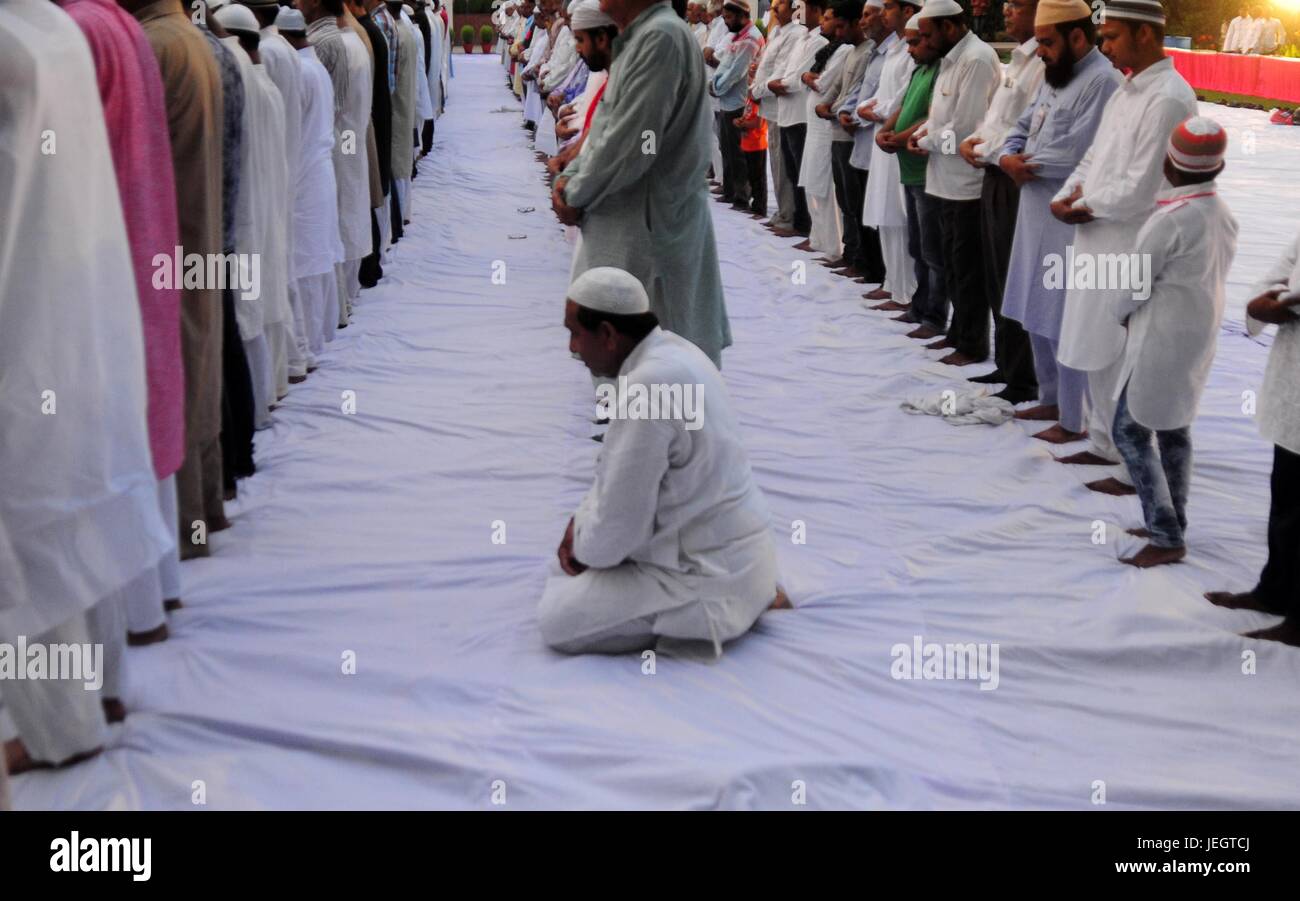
{"type": "Point", "coordinates": [930, 302]}
{"type": "Point", "coordinates": [1161, 479]}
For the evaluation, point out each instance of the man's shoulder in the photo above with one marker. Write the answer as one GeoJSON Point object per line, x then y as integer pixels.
{"type": "Point", "coordinates": [670, 359]}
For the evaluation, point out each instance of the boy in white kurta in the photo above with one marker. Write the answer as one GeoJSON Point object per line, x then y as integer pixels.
{"type": "Point", "coordinates": [671, 547]}
{"type": "Point", "coordinates": [1173, 323]}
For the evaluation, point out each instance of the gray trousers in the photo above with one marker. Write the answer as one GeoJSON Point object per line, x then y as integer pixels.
{"type": "Point", "coordinates": [784, 215]}
{"type": "Point", "coordinates": [1059, 384]}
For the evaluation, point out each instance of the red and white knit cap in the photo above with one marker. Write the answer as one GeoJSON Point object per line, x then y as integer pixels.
{"type": "Point", "coordinates": [1198, 145]}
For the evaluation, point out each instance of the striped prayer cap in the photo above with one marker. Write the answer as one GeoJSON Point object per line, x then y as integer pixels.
{"type": "Point", "coordinates": [1198, 145]}
{"type": "Point", "coordinates": [1135, 10]}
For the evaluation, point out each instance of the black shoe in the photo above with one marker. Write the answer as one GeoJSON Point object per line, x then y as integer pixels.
{"type": "Point", "coordinates": [993, 378]}
{"type": "Point", "coordinates": [1016, 395]}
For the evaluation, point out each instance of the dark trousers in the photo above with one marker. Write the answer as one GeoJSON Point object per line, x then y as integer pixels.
{"type": "Point", "coordinates": [426, 135]}
{"type": "Point", "coordinates": [963, 266]}
{"type": "Point", "coordinates": [735, 182]}
{"type": "Point", "coordinates": [999, 201]}
{"type": "Point", "coordinates": [371, 270]}
{"type": "Point", "coordinates": [236, 399]}
{"type": "Point", "coordinates": [930, 302]}
{"type": "Point", "coordinates": [395, 208]}
{"type": "Point", "coordinates": [792, 138]}
{"type": "Point", "coordinates": [872, 263]}
{"type": "Point", "coordinates": [845, 184]}
{"type": "Point", "coordinates": [1279, 583]}
{"type": "Point", "coordinates": [756, 175]}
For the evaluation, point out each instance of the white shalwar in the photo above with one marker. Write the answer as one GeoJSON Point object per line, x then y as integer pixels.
{"type": "Point", "coordinates": [316, 248]}
{"type": "Point", "coordinates": [79, 515]}
{"type": "Point", "coordinates": [352, 170]}
{"type": "Point", "coordinates": [1120, 175]}
{"type": "Point", "coordinates": [674, 530]}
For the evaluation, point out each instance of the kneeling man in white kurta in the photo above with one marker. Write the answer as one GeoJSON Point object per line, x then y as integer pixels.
{"type": "Point", "coordinates": [671, 547]}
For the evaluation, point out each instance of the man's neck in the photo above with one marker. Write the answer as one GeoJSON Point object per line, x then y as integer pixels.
{"type": "Point", "coordinates": [634, 9]}
{"type": "Point", "coordinates": [1147, 61]}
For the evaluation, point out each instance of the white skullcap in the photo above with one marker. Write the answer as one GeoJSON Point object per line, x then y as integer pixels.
{"type": "Point", "coordinates": [875, 4]}
{"type": "Point", "coordinates": [610, 290]}
{"type": "Point", "coordinates": [235, 18]}
{"type": "Point", "coordinates": [913, 24]}
{"type": "Point", "coordinates": [937, 9]}
{"type": "Point", "coordinates": [290, 19]}
{"type": "Point", "coordinates": [586, 14]}
{"type": "Point", "coordinates": [407, 9]}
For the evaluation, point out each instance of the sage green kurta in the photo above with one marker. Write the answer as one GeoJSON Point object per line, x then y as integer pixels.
{"type": "Point", "coordinates": [640, 179]}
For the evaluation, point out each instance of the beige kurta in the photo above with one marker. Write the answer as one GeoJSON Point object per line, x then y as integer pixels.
{"type": "Point", "coordinates": [192, 92]}
{"type": "Point", "coordinates": [408, 70]}
{"type": "Point", "coordinates": [372, 148]}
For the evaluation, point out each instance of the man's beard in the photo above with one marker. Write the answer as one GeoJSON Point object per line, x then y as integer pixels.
{"type": "Point", "coordinates": [1059, 73]}
{"type": "Point", "coordinates": [598, 62]}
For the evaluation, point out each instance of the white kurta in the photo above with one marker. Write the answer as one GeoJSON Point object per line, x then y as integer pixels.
{"type": "Point", "coordinates": [352, 170]}
{"type": "Point", "coordinates": [1190, 240]}
{"type": "Point", "coordinates": [1279, 401]}
{"type": "Point", "coordinates": [433, 72]}
{"type": "Point", "coordinates": [675, 531]}
{"type": "Point", "coordinates": [533, 104]}
{"type": "Point", "coordinates": [423, 100]}
{"type": "Point", "coordinates": [1120, 175]}
{"type": "Point", "coordinates": [883, 206]}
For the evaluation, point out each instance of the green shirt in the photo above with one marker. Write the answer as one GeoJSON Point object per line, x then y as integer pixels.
{"type": "Point", "coordinates": [916, 106]}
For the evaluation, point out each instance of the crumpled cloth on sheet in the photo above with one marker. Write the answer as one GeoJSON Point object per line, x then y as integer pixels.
{"type": "Point", "coordinates": [962, 407]}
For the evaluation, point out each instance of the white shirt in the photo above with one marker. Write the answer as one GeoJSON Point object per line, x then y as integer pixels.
{"type": "Point", "coordinates": [771, 64]}
{"type": "Point", "coordinates": [562, 60]}
{"type": "Point", "coordinates": [1262, 36]}
{"type": "Point", "coordinates": [967, 78]}
{"type": "Point", "coordinates": [719, 38]}
{"type": "Point", "coordinates": [1020, 81]}
{"type": "Point", "coordinates": [1235, 41]}
{"type": "Point", "coordinates": [1120, 175]}
{"type": "Point", "coordinates": [1279, 398]}
{"type": "Point", "coordinates": [1190, 241]}
{"type": "Point", "coordinates": [316, 246]}
{"type": "Point", "coordinates": [791, 107]}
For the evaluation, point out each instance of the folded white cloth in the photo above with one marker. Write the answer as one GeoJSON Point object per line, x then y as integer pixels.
{"type": "Point", "coordinates": [962, 407]}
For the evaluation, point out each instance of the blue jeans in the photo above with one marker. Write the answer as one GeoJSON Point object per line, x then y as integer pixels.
{"type": "Point", "coordinates": [1161, 479]}
{"type": "Point", "coordinates": [924, 243]}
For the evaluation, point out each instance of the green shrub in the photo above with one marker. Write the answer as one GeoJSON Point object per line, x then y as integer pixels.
{"type": "Point", "coordinates": [467, 36]}
{"type": "Point", "coordinates": [486, 34]}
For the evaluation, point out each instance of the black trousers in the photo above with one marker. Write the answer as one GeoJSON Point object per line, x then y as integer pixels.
{"type": "Point", "coordinates": [792, 140]}
{"type": "Point", "coordinates": [395, 209]}
{"type": "Point", "coordinates": [236, 399]}
{"type": "Point", "coordinates": [756, 175]}
{"type": "Point", "coordinates": [963, 270]}
{"type": "Point", "coordinates": [872, 264]}
{"type": "Point", "coordinates": [999, 201]}
{"type": "Point", "coordinates": [735, 182]}
{"type": "Point", "coordinates": [426, 135]}
{"type": "Point", "coordinates": [1279, 583]}
{"type": "Point", "coordinates": [849, 223]}
{"type": "Point", "coordinates": [371, 270]}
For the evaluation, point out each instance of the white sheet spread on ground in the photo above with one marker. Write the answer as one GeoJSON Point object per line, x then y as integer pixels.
{"type": "Point", "coordinates": [371, 533]}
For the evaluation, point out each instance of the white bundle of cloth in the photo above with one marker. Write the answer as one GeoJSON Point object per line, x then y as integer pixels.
{"type": "Point", "coordinates": [962, 407]}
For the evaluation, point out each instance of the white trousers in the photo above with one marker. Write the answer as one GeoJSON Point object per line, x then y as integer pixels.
{"type": "Point", "coordinates": [262, 374]}
{"type": "Point", "coordinates": [319, 296]}
{"type": "Point", "coordinates": [143, 607]}
{"type": "Point", "coordinates": [300, 352]}
{"type": "Point", "coordinates": [279, 338]}
{"type": "Point", "coordinates": [385, 214]}
{"type": "Point", "coordinates": [781, 186]}
{"type": "Point", "coordinates": [55, 718]}
{"type": "Point", "coordinates": [827, 234]}
{"type": "Point", "coordinates": [402, 186]}
{"type": "Point", "coordinates": [1102, 385]}
{"type": "Point", "coordinates": [900, 268]}
{"type": "Point", "coordinates": [349, 287]}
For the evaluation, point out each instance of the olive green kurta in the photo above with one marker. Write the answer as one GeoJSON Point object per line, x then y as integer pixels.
{"type": "Point", "coordinates": [640, 179]}
{"type": "Point", "coordinates": [192, 93]}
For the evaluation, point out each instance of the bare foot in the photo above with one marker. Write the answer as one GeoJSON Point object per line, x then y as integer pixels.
{"type": "Point", "coordinates": [805, 244]}
{"type": "Point", "coordinates": [944, 343]}
{"type": "Point", "coordinates": [229, 494]}
{"type": "Point", "coordinates": [1086, 458]}
{"type": "Point", "coordinates": [923, 332]}
{"type": "Point", "coordinates": [1112, 486]}
{"type": "Point", "coordinates": [1140, 532]}
{"type": "Point", "coordinates": [1042, 412]}
{"type": "Point", "coordinates": [957, 358]}
{"type": "Point", "coordinates": [171, 605]}
{"type": "Point", "coordinates": [1151, 556]}
{"type": "Point", "coordinates": [114, 710]}
{"type": "Point", "coordinates": [297, 379]}
{"type": "Point", "coordinates": [1287, 632]}
{"type": "Point", "coordinates": [781, 601]}
{"type": "Point", "coordinates": [218, 523]}
{"type": "Point", "coordinates": [17, 760]}
{"type": "Point", "coordinates": [153, 636]}
{"type": "Point", "coordinates": [1245, 600]}
{"type": "Point", "coordinates": [905, 316]}
{"type": "Point", "coordinates": [1058, 434]}
{"type": "Point", "coordinates": [878, 294]}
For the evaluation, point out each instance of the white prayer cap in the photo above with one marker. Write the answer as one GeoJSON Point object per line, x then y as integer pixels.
{"type": "Point", "coordinates": [875, 4]}
{"type": "Point", "coordinates": [587, 14]}
{"type": "Point", "coordinates": [610, 290]}
{"type": "Point", "coordinates": [406, 9]}
{"type": "Point", "coordinates": [290, 19]}
{"type": "Point", "coordinates": [937, 9]}
{"type": "Point", "coordinates": [913, 24]}
{"type": "Point", "coordinates": [235, 18]}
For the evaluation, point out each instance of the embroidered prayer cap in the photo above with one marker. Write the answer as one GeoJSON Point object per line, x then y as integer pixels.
{"type": "Point", "coordinates": [610, 290]}
{"type": "Point", "coordinates": [1134, 10]}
